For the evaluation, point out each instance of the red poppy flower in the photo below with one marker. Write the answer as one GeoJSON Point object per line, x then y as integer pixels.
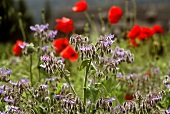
{"type": "Point", "coordinates": [146, 32]}
{"type": "Point", "coordinates": [134, 32]}
{"type": "Point", "coordinates": [80, 6]}
{"type": "Point", "coordinates": [114, 14]}
{"type": "Point", "coordinates": [69, 53]}
{"type": "Point", "coordinates": [60, 44]}
{"type": "Point", "coordinates": [128, 96]}
{"type": "Point", "coordinates": [64, 25]}
{"type": "Point", "coordinates": [17, 50]}
{"type": "Point", "coordinates": [157, 29]}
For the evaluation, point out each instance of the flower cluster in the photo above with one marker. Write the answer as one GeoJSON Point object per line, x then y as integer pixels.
{"type": "Point", "coordinates": [142, 33]}
{"type": "Point", "coordinates": [4, 74]}
{"type": "Point", "coordinates": [42, 32]}
{"type": "Point", "coordinates": [52, 63]}
{"type": "Point", "coordinates": [102, 53]}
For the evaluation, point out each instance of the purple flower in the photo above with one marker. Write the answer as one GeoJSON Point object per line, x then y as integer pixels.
{"type": "Point", "coordinates": [68, 101]}
{"type": "Point", "coordinates": [13, 83]}
{"type": "Point", "coordinates": [26, 80]}
{"type": "Point", "coordinates": [51, 34]}
{"type": "Point", "coordinates": [88, 102]}
{"type": "Point", "coordinates": [119, 75]}
{"type": "Point", "coordinates": [2, 70]}
{"type": "Point", "coordinates": [5, 71]}
{"type": "Point", "coordinates": [45, 58]}
{"type": "Point", "coordinates": [50, 79]}
{"type": "Point", "coordinates": [85, 48]}
{"type": "Point", "coordinates": [39, 28]}
{"type": "Point", "coordinates": [45, 48]}
{"type": "Point", "coordinates": [108, 43]}
{"type": "Point", "coordinates": [13, 108]}
{"type": "Point", "coordinates": [58, 96]}
{"type": "Point", "coordinates": [43, 86]}
{"type": "Point", "coordinates": [168, 86]}
{"type": "Point", "coordinates": [108, 40]}
{"type": "Point", "coordinates": [111, 100]}
{"type": "Point", "coordinates": [9, 100]}
{"type": "Point", "coordinates": [3, 112]}
{"type": "Point", "coordinates": [2, 91]}
{"type": "Point", "coordinates": [111, 36]}
{"type": "Point", "coordinates": [167, 111]}
{"type": "Point", "coordinates": [2, 86]}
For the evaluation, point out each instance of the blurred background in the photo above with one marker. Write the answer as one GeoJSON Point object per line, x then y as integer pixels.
{"type": "Point", "coordinates": [149, 12]}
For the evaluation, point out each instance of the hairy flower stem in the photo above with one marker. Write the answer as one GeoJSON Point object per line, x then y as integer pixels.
{"type": "Point", "coordinates": [85, 81]}
{"type": "Point", "coordinates": [68, 81]}
{"type": "Point", "coordinates": [21, 26]}
{"type": "Point", "coordinates": [31, 69]}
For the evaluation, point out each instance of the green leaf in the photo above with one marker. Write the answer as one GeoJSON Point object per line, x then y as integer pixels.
{"type": "Point", "coordinates": [58, 88]}
{"type": "Point", "coordinates": [84, 64]}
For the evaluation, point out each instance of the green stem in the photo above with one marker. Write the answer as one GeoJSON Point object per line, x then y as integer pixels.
{"type": "Point", "coordinates": [134, 10]}
{"type": "Point", "coordinates": [85, 81]}
{"type": "Point", "coordinates": [102, 22]}
{"type": "Point", "coordinates": [21, 26]}
{"type": "Point", "coordinates": [43, 16]}
{"type": "Point", "coordinates": [67, 79]}
{"type": "Point", "coordinates": [90, 21]}
{"type": "Point", "coordinates": [39, 74]}
{"type": "Point", "coordinates": [31, 70]}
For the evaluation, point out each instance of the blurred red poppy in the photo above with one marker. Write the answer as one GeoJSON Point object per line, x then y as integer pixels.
{"type": "Point", "coordinates": [64, 25]}
{"type": "Point", "coordinates": [80, 6]}
{"type": "Point", "coordinates": [60, 44]}
{"type": "Point", "coordinates": [69, 53]}
{"type": "Point", "coordinates": [17, 50]}
{"type": "Point", "coordinates": [146, 32]}
{"type": "Point", "coordinates": [114, 14]}
{"type": "Point", "coordinates": [134, 32]}
{"type": "Point", "coordinates": [148, 74]}
{"type": "Point", "coordinates": [128, 96]}
{"type": "Point", "coordinates": [157, 29]}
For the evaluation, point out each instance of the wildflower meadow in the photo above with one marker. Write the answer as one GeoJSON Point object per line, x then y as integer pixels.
{"type": "Point", "coordinates": [52, 69]}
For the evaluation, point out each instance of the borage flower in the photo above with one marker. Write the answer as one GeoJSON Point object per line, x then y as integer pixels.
{"type": "Point", "coordinates": [80, 6]}
{"type": "Point", "coordinates": [17, 50]}
{"type": "Point", "coordinates": [39, 28]}
{"type": "Point", "coordinates": [114, 14]}
{"type": "Point", "coordinates": [64, 25]}
{"type": "Point", "coordinates": [60, 44]}
{"type": "Point", "coordinates": [157, 29]}
{"type": "Point", "coordinates": [69, 53]}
